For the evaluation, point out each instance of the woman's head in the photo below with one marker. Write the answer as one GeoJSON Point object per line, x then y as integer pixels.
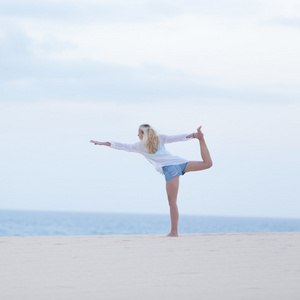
{"type": "Point", "coordinates": [149, 136]}
{"type": "Point", "coordinates": [143, 131]}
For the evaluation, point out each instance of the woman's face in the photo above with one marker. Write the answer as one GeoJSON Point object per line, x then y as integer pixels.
{"type": "Point", "coordinates": [140, 135]}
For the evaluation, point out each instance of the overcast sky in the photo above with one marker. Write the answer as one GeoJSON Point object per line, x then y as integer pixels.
{"type": "Point", "coordinates": [77, 70]}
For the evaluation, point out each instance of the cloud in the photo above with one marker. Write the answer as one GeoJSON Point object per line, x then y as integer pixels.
{"type": "Point", "coordinates": [199, 54]}
{"type": "Point", "coordinates": [128, 11]}
{"type": "Point", "coordinates": [87, 11]}
{"type": "Point", "coordinates": [286, 21]}
{"type": "Point", "coordinates": [28, 77]}
{"type": "Point", "coordinates": [242, 51]}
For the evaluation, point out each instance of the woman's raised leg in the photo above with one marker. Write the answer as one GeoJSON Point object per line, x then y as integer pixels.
{"type": "Point", "coordinates": [172, 192]}
{"type": "Point", "coordinates": [200, 165]}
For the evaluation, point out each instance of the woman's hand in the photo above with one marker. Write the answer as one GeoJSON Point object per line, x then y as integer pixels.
{"type": "Point", "coordinates": [197, 135]}
{"type": "Point", "coordinates": [100, 143]}
{"type": "Point", "coordinates": [95, 142]}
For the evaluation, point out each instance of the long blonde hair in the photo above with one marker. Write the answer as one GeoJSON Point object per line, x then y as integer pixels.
{"type": "Point", "coordinates": [150, 138]}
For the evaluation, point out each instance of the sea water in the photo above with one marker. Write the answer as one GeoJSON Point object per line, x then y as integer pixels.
{"type": "Point", "coordinates": [45, 223]}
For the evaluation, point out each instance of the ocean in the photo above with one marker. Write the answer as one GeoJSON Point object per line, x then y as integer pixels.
{"type": "Point", "coordinates": [46, 223]}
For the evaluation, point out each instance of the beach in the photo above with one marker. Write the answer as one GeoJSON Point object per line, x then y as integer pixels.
{"type": "Point", "coordinates": [192, 266]}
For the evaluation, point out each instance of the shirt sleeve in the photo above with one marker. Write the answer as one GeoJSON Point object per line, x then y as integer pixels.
{"type": "Point", "coordinates": [174, 138]}
{"type": "Point", "coordinates": [125, 147]}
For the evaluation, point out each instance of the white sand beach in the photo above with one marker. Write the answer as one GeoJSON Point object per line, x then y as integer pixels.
{"type": "Point", "coordinates": [193, 266]}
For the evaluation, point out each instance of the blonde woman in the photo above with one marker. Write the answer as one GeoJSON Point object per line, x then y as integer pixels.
{"type": "Point", "coordinates": [152, 147]}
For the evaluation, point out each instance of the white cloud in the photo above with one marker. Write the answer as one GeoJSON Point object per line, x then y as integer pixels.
{"type": "Point", "coordinates": [228, 51]}
{"type": "Point", "coordinates": [217, 44]}
{"type": "Point", "coordinates": [41, 78]}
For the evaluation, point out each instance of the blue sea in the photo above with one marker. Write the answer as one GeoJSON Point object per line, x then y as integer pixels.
{"type": "Point", "coordinates": [45, 223]}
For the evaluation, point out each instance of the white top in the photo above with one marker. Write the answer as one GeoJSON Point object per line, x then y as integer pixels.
{"type": "Point", "coordinates": [161, 157]}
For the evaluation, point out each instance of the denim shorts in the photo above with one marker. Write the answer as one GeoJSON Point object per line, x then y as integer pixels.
{"type": "Point", "coordinates": [174, 171]}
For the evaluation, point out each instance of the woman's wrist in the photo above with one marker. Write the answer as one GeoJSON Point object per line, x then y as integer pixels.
{"type": "Point", "coordinates": [190, 136]}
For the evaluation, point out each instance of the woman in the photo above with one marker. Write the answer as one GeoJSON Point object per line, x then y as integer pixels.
{"type": "Point", "coordinates": [152, 146]}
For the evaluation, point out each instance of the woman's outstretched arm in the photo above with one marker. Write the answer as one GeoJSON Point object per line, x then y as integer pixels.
{"type": "Point", "coordinates": [118, 146]}
{"type": "Point", "coordinates": [101, 143]}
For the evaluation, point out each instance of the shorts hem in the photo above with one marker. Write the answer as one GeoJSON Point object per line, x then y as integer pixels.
{"type": "Point", "coordinates": [172, 171]}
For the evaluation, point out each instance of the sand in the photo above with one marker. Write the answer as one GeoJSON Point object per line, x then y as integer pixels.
{"type": "Point", "coordinates": [193, 266]}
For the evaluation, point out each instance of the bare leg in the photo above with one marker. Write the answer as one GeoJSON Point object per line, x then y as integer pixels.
{"type": "Point", "coordinates": [172, 191]}
{"type": "Point", "coordinates": [207, 162]}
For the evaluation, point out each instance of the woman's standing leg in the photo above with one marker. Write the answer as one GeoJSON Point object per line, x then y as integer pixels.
{"type": "Point", "coordinates": [200, 165]}
{"type": "Point", "coordinates": [172, 192]}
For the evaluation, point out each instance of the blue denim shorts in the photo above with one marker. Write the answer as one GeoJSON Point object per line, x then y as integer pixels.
{"type": "Point", "coordinates": [173, 171]}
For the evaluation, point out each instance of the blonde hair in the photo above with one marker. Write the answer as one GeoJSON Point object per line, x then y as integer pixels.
{"type": "Point", "coordinates": [150, 138]}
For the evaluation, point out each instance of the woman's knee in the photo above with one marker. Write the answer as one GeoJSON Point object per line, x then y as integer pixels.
{"type": "Point", "coordinates": [172, 201]}
{"type": "Point", "coordinates": [209, 164]}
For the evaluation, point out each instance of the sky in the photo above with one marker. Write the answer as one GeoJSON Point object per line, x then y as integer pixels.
{"type": "Point", "coordinates": [72, 71]}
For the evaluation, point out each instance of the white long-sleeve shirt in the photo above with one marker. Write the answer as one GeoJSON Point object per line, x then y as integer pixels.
{"type": "Point", "coordinates": [161, 157]}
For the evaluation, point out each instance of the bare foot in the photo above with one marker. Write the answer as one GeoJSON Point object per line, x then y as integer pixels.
{"type": "Point", "coordinates": [173, 234]}
{"type": "Point", "coordinates": [199, 134]}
